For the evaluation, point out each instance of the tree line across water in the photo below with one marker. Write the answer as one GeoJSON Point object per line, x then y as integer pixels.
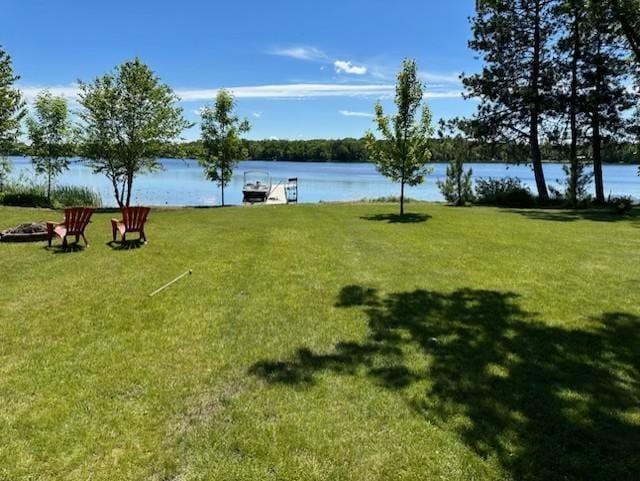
{"type": "Point", "coordinates": [354, 150]}
{"type": "Point", "coordinates": [557, 83]}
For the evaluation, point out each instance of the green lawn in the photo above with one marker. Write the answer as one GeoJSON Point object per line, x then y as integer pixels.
{"type": "Point", "coordinates": [326, 342]}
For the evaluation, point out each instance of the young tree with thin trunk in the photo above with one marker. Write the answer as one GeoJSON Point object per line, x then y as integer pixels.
{"type": "Point", "coordinates": [514, 38]}
{"type": "Point", "coordinates": [221, 131]}
{"type": "Point", "coordinates": [403, 152]}
{"type": "Point", "coordinates": [49, 131]}
{"type": "Point", "coordinates": [127, 117]}
{"type": "Point", "coordinates": [11, 111]}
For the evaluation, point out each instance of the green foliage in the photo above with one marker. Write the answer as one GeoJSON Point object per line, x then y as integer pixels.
{"type": "Point", "coordinates": [73, 196]}
{"type": "Point", "coordinates": [25, 194]}
{"type": "Point", "coordinates": [388, 199]}
{"type": "Point", "coordinates": [508, 192]}
{"type": "Point", "coordinates": [128, 117]}
{"type": "Point", "coordinates": [621, 205]}
{"type": "Point", "coordinates": [627, 15]}
{"type": "Point", "coordinates": [576, 185]}
{"type": "Point", "coordinates": [515, 86]}
{"type": "Point", "coordinates": [457, 188]}
{"type": "Point", "coordinates": [403, 153]}
{"type": "Point", "coordinates": [50, 134]}
{"type": "Point", "coordinates": [11, 105]}
{"type": "Point", "coordinates": [221, 143]}
{"type": "Point", "coordinates": [5, 170]}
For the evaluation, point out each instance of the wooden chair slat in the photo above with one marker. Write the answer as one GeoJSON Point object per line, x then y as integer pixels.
{"type": "Point", "coordinates": [75, 222]}
{"type": "Point", "coordinates": [133, 220]}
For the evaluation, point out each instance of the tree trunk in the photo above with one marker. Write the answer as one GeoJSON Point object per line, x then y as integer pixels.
{"type": "Point", "coordinates": [404, 159]}
{"type": "Point", "coordinates": [49, 185]}
{"type": "Point", "coordinates": [116, 191]}
{"type": "Point", "coordinates": [534, 140]}
{"type": "Point", "coordinates": [596, 146]}
{"type": "Point", "coordinates": [129, 189]}
{"type": "Point", "coordinates": [573, 113]}
{"type": "Point", "coordinates": [222, 186]}
{"type": "Point", "coordinates": [596, 134]}
{"type": "Point", "coordinates": [633, 36]}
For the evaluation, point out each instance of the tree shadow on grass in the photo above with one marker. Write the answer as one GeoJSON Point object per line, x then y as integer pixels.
{"type": "Point", "coordinates": [545, 401]}
{"type": "Point", "coordinates": [595, 215]}
{"type": "Point", "coordinates": [409, 218]}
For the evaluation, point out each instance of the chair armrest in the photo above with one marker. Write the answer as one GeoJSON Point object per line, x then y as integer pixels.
{"type": "Point", "coordinates": [116, 221]}
{"type": "Point", "coordinates": [52, 225]}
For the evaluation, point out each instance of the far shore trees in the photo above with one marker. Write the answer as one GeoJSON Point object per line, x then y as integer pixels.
{"type": "Point", "coordinates": [128, 116]}
{"type": "Point", "coordinates": [403, 152]}
{"type": "Point", "coordinates": [221, 131]}
{"type": "Point", "coordinates": [49, 131]}
{"type": "Point", "coordinates": [11, 112]}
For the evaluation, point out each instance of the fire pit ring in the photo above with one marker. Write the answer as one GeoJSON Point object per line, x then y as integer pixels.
{"type": "Point", "coordinates": [31, 232]}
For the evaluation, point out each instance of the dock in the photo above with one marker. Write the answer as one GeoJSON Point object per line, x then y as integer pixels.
{"type": "Point", "coordinates": [277, 195]}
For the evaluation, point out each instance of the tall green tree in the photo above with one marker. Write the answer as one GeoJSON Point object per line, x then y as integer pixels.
{"type": "Point", "coordinates": [221, 131]}
{"type": "Point", "coordinates": [605, 71]}
{"type": "Point", "coordinates": [11, 111]}
{"type": "Point", "coordinates": [403, 152]}
{"type": "Point", "coordinates": [128, 117]}
{"type": "Point", "coordinates": [50, 134]}
{"type": "Point", "coordinates": [514, 39]}
{"type": "Point", "coordinates": [572, 14]}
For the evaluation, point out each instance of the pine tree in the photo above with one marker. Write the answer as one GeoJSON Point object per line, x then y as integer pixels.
{"type": "Point", "coordinates": [514, 38]}
{"type": "Point", "coordinates": [606, 70]}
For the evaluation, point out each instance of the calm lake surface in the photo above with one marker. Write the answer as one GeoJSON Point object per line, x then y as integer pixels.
{"type": "Point", "coordinates": [182, 183]}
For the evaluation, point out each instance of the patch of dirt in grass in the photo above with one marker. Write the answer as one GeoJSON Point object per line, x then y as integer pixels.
{"type": "Point", "coordinates": [203, 407]}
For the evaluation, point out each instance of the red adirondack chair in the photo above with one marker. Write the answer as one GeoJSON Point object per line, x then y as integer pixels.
{"type": "Point", "coordinates": [75, 222]}
{"type": "Point", "coordinates": [133, 220]}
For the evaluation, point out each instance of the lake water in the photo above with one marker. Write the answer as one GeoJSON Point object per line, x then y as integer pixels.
{"type": "Point", "coordinates": [182, 182]}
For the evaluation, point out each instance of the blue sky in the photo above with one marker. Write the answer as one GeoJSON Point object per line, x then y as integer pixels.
{"type": "Point", "coordinates": [299, 69]}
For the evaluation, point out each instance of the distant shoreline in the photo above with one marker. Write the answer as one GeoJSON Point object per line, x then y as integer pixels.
{"type": "Point", "coordinates": [347, 162]}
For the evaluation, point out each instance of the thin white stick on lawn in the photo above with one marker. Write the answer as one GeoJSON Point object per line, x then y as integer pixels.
{"type": "Point", "coordinates": [172, 282]}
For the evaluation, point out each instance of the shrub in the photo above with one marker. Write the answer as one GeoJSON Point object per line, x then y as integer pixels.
{"type": "Point", "coordinates": [621, 205]}
{"type": "Point", "coordinates": [457, 188]}
{"type": "Point", "coordinates": [389, 199]}
{"type": "Point", "coordinates": [70, 196]}
{"type": "Point", "coordinates": [25, 199]}
{"type": "Point", "coordinates": [21, 194]}
{"type": "Point", "coordinates": [508, 192]}
{"type": "Point", "coordinates": [24, 195]}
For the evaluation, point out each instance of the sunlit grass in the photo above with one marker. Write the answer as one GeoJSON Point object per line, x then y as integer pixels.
{"type": "Point", "coordinates": [325, 342]}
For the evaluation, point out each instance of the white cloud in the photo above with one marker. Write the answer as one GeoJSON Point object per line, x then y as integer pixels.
{"type": "Point", "coordinates": [257, 115]}
{"type": "Point", "coordinates": [276, 91]}
{"type": "Point", "coordinates": [273, 138]}
{"type": "Point", "coordinates": [69, 92]}
{"type": "Point", "coordinates": [300, 52]}
{"type": "Point", "coordinates": [290, 91]}
{"type": "Point", "coordinates": [431, 77]}
{"type": "Point", "coordinates": [347, 67]}
{"type": "Point", "coordinates": [349, 113]}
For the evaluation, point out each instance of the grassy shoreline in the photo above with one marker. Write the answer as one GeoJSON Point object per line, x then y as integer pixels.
{"type": "Point", "coordinates": [325, 342]}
